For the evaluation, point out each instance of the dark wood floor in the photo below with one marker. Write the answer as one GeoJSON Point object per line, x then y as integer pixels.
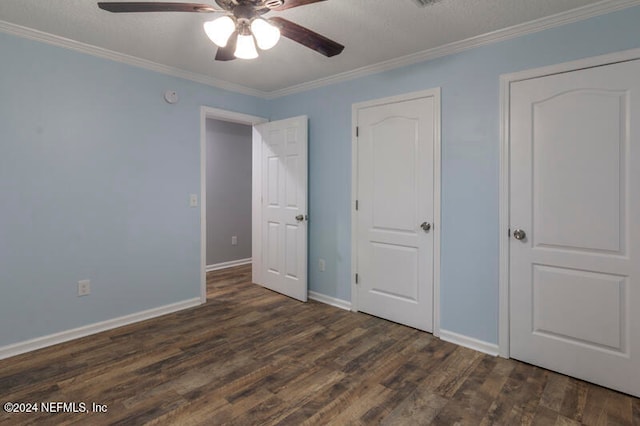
{"type": "Point", "coordinates": [253, 357]}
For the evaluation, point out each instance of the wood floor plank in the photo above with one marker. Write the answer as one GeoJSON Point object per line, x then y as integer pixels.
{"type": "Point", "coordinates": [619, 409]}
{"type": "Point", "coordinates": [318, 406]}
{"type": "Point", "coordinates": [594, 411]}
{"type": "Point", "coordinates": [359, 411]}
{"type": "Point", "coordinates": [198, 412]}
{"type": "Point", "coordinates": [453, 371]}
{"type": "Point", "coordinates": [495, 381]}
{"type": "Point", "coordinates": [254, 357]}
{"type": "Point", "coordinates": [544, 417]}
{"type": "Point", "coordinates": [565, 421]}
{"type": "Point", "coordinates": [575, 400]}
{"type": "Point", "coordinates": [296, 393]}
{"type": "Point", "coordinates": [636, 411]}
{"type": "Point", "coordinates": [419, 408]}
{"type": "Point", "coordinates": [553, 395]}
{"type": "Point", "coordinates": [470, 394]}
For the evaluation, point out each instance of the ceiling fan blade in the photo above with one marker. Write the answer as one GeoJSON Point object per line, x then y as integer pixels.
{"type": "Point", "coordinates": [127, 7]}
{"type": "Point", "coordinates": [288, 4]}
{"type": "Point", "coordinates": [307, 38]}
{"type": "Point", "coordinates": [227, 53]}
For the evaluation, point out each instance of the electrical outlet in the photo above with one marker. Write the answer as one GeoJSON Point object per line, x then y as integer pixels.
{"type": "Point", "coordinates": [193, 200]}
{"type": "Point", "coordinates": [84, 287]}
{"type": "Point", "coordinates": [322, 265]}
{"type": "Point", "coordinates": [234, 241]}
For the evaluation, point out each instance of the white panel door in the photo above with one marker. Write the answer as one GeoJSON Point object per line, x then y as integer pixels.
{"type": "Point", "coordinates": [284, 206]}
{"type": "Point", "coordinates": [395, 193]}
{"type": "Point", "coordinates": [575, 215]}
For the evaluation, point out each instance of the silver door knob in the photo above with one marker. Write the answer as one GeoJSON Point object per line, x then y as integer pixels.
{"type": "Point", "coordinates": [519, 234]}
{"type": "Point", "coordinates": [426, 226]}
{"type": "Point", "coordinates": [299, 218]}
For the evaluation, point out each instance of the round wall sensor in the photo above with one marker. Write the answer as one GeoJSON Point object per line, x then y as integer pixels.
{"type": "Point", "coordinates": [171, 96]}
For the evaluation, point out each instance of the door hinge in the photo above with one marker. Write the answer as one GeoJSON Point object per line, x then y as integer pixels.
{"type": "Point", "coordinates": [357, 131]}
{"type": "Point", "coordinates": [356, 204]}
{"type": "Point", "coordinates": [356, 278]}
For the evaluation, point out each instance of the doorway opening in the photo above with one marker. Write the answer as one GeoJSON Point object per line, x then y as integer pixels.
{"type": "Point", "coordinates": [212, 120]}
{"type": "Point", "coordinates": [228, 196]}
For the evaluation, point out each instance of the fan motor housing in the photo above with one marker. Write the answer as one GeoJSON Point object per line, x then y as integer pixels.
{"type": "Point", "coordinates": [244, 11]}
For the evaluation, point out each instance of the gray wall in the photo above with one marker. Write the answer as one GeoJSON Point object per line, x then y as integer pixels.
{"type": "Point", "coordinates": [228, 191]}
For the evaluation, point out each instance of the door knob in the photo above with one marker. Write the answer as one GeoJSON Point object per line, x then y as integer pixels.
{"type": "Point", "coordinates": [426, 226]}
{"type": "Point", "coordinates": [299, 218]}
{"type": "Point", "coordinates": [519, 234]}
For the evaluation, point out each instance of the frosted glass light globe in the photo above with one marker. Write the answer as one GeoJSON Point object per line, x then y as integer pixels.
{"type": "Point", "coordinates": [266, 34]}
{"type": "Point", "coordinates": [246, 48]}
{"type": "Point", "coordinates": [219, 30]}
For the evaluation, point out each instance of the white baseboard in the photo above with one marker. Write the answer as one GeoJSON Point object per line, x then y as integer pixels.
{"type": "Point", "coordinates": [322, 298]}
{"type": "Point", "coordinates": [469, 342]}
{"type": "Point", "coordinates": [64, 336]}
{"type": "Point", "coordinates": [229, 264]}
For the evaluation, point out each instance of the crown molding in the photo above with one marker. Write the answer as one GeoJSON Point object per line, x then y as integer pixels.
{"type": "Point", "coordinates": [29, 33]}
{"type": "Point", "coordinates": [563, 18]}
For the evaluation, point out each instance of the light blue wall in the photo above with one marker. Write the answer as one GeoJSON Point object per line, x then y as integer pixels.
{"type": "Point", "coordinates": [470, 159]}
{"type": "Point", "coordinates": [95, 174]}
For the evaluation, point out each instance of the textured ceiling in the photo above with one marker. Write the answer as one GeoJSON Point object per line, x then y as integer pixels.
{"type": "Point", "coordinates": [373, 31]}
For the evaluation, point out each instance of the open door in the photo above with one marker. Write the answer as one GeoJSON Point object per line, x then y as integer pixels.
{"type": "Point", "coordinates": [281, 151]}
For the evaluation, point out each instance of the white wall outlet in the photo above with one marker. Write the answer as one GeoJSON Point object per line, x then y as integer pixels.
{"type": "Point", "coordinates": [84, 287]}
{"type": "Point", "coordinates": [193, 200]}
{"type": "Point", "coordinates": [322, 265]}
{"type": "Point", "coordinates": [234, 241]}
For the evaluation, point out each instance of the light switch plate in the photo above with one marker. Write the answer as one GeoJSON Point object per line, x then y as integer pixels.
{"type": "Point", "coordinates": [193, 200]}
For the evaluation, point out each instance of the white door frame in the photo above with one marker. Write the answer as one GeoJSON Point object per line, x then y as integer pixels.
{"type": "Point", "coordinates": [256, 190]}
{"type": "Point", "coordinates": [435, 93]}
{"type": "Point", "coordinates": [505, 94]}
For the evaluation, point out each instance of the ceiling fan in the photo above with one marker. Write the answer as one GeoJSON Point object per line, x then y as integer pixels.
{"type": "Point", "coordinates": [242, 25]}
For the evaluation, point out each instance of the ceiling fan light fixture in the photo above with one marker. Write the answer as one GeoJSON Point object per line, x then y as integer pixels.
{"type": "Point", "coordinates": [219, 30]}
{"type": "Point", "coordinates": [246, 47]}
{"type": "Point", "coordinates": [266, 34]}
{"type": "Point", "coordinates": [240, 25]}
